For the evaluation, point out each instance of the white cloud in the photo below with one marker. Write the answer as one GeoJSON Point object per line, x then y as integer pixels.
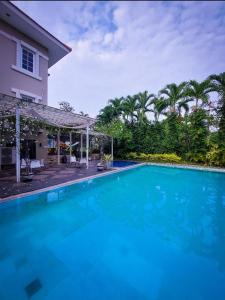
{"type": "Point", "coordinates": [121, 48]}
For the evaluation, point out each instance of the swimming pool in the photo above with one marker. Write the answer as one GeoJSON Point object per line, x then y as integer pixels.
{"type": "Point", "coordinates": [122, 163]}
{"type": "Point", "coordinates": [147, 233]}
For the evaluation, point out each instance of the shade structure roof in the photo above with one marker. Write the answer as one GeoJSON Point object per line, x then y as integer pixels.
{"type": "Point", "coordinates": [94, 133]}
{"type": "Point", "coordinates": [44, 113]}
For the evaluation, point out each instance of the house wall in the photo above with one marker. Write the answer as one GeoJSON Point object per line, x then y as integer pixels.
{"type": "Point", "coordinates": [12, 81]}
{"type": "Point", "coordinates": [42, 146]}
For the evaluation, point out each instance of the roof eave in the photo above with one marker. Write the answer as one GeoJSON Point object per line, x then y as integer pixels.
{"type": "Point", "coordinates": [39, 34]}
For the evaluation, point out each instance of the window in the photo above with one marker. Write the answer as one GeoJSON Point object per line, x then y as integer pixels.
{"type": "Point", "coordinates": [27, 60]}
{"type": "Point", "coordinates": [27, 98]}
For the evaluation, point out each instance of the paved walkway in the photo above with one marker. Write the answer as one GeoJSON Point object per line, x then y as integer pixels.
{"type": "Point", "coordinates": [44, 178]}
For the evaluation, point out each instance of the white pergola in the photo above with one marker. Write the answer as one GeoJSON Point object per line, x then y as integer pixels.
{"type": "Point", "coordinates": [11, 106]}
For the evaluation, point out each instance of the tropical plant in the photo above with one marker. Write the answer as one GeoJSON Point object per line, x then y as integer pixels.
{"type": "Point", "coordinates": [143, 104]}
{"type": "Point", "coordinates": [106, 115]}
{"type": "Point", "coordinates": [116, 106]}
{"type": "Point", "coordinates": [83, 114]}
{"type": "Point", "coordinates": [218, 85]}
{"type": "Point", "coordinates": [129, 108]}
{"type": "Point", "coordinates": [66, 106]}
{"type": "Point", "coordinates": [193, 131]}
{"type": "Point", "coordinates": [198, 92]}
{"type": "Point", "coordinates": [159, 106]}
{"type": "Point", "coordinates": [175, 96]}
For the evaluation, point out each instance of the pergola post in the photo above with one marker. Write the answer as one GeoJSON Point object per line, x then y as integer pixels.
{"type": "Point", "coordinates": [112, 147]}
{"type": "Point", "coordinates": [81, 146]}
{"type": "Point", "coordinates": [17, 144]}
{"type": "Point", "coordinates": [87, 146]}
{"type": "Point", "coordinates": [58, 146]}
{"type": "Point", "coordinates": [70, 145]}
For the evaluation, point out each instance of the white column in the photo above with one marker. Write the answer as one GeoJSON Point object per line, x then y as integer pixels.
{"type": "Point", "coordinates": [87, 146]}
{"type": "Point", "coordinates": [81, 146]}
{"type": "Point", "coordinates": [112, 147]}
{"type": "Point", "coordinates": [70, 145]}
{"type": "Point", "coordinates": [17, 144]}
{"type": "Point", "coordinates": [58, 146]}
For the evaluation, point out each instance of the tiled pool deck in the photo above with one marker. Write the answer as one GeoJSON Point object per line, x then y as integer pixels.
{"type": "Point", "coordinates": [52, 177]}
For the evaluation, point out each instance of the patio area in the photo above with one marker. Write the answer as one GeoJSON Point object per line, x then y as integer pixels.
{"type": "Point", "coordinates": [42, 142]}
{"type": "Point", "coordinates": [48, 176]}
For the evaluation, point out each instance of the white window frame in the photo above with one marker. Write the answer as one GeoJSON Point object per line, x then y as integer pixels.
{"type": "Point", "coordinates": [19, 93]}
{"type": "Point", "coordinates": [19, 54]}
{"type": "Point", "coordinates": [33, 59]}
{"type": "Point", "coordinates": [18, 65]}
{"type": "Point", "coordinates": [31, 99]}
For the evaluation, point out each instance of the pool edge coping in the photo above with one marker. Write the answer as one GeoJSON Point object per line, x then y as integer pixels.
{"type": "Point", "coordinates": [68, 183]}
{"type": "Point", "coordinates": [189, 167]}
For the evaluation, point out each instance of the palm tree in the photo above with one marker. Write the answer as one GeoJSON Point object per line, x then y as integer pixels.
{"type": "Point", "coordinates": [129, 108]}
{"type": "Point", "coordinates": [198, 92]}
{"type": "Point", "coordinates": [116, 105]}
{"type": "Point", "coordinates": [144, 102]}
{"type": "Point", "coordinates": [106, 115]}
{"type": "Point", "coordinates": [218, 85]}
{"type": "Point", "coordinates": [183, 104]}
{"type": "Point", "coordinates": [159, 105]}
{"type": "Point", "coordinates": [175, 94]}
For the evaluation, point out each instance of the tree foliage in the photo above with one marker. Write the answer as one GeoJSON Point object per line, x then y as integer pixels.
{"type": "Point", "coordinates": [66, 106]}
{"type": "Point", "coordinates": [181, 119]}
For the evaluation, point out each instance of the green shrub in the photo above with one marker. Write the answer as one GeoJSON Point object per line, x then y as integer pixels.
{"type": "Point", "coordinates": [132, 155]}
{"type": "Point", "coordinates": [216, 156]}
{"type": "Point", "coordinates": [195, 158]}
{"type": "Point", "coordinates": [164, 158]}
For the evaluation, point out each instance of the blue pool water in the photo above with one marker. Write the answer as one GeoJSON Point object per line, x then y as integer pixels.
{"type": "Point", "coordinates": [152, 233]}
{"type": "Point", "coordinates": [122, 163]}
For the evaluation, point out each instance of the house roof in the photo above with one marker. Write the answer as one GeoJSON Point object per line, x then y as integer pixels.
{"type": "Point", "coordinates": [12, 15]}
{"type": "Point", "coordinates": [47, 114]}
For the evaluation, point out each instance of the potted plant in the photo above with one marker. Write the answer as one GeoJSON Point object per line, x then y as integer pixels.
{"type": "Point", "coordinates": [107, 159]}
{"type": "Point", "coordinates": [100, 166]}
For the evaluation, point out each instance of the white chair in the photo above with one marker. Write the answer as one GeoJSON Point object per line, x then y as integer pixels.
{"type": "Point", "coordinates": [82, 162]}
{"type": "Point", "coordinates": [73, 159]}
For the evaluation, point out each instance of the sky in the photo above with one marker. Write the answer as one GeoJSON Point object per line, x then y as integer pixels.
{"type": "Point", "coordinates": [122, 48]}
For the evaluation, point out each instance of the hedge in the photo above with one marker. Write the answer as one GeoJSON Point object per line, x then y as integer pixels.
{"type": "Point", "coordinates": [164, 158]}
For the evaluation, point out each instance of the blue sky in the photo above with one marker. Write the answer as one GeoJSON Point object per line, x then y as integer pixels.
{"type": "Point", "coordinates": [121, 48]}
